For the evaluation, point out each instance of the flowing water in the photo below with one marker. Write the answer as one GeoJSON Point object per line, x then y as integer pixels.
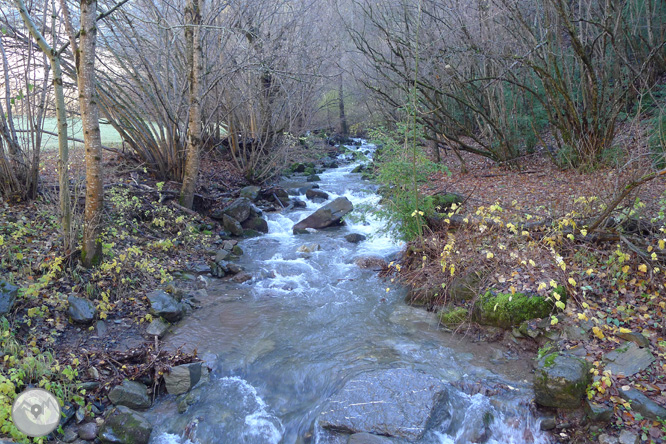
{"type": "Point", "coordinates": [283, 343]}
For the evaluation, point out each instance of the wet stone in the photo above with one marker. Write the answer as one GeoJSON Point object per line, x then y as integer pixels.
{"type": "Point", "coordinates": [182, 378]}
{"type": "Point", "coordinates": [355, 238]}
{"type": "Point", "coordinates": [368, 438]}
{"type": "Point", "coordinates": [395, 402]}
{"type": "Point", "coordinates": [125, 426]}
{"type": "Point", "coordinates": [163, 304]}
{"type": "Point", "coordinates": [88, 431]}
{"type": "Point", "coordinates": [643, 405]}
{"type": "Point", "coordinates": [158, 328]}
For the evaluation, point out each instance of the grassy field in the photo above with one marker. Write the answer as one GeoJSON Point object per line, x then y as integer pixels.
{"type": "Point", "coordinates": [109, 135]}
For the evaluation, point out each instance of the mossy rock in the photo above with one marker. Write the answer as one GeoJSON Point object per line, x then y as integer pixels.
{"type": "Point", "coordinates": [560, 380]}
{"type": "Point", "coordinates": [453, 316]}
{"type": "Point", "coordinates": [443, 202]}
{"type": "Point", "coordinates": [506, 310]}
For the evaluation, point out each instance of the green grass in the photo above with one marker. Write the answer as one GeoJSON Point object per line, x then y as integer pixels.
{"type": "Point", "coordinates": [109, 135]}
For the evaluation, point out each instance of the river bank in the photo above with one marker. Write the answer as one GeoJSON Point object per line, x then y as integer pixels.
{"type": "Point", "coordinates": [256, 328]}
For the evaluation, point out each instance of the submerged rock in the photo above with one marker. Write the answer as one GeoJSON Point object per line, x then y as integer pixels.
{"type": "Point", "coordinates": [375, 263]}
{"type": "Point", "coordinates": [394, 402]}
{"type": "Point", "coordinates": [326, 216]}
{"type": "Point", "coordinates": [355, 238]}
{"type": "Point", "coordinates": [81, 310]}
{"type": "Point", "coordinates": [316, 195]}
{"type": "Point", "coordinates": [125, 426]}
{"type": "Point", "coordinates": [560, 380]}
{"type": "Point", "coordinates": [368, 438]}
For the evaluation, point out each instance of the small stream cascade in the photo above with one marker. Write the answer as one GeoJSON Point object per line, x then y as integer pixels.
{"type": "Point", "coordinates": [310, 321]}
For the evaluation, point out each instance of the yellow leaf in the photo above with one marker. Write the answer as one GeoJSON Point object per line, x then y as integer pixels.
{"type": "Point", "coordinates": [582, 316]}
{"type": "Point", "coordinates": [542, 285]}
{"type": "Point", "coordinates": [553, 283]}
{"type": "Point", "coordinates": [625, 269]}
{"type": "Point", "coordinates": [586, 305]}
{"type": "Point", "coordinates": [589, 271]}
{"type": "Point", "coordinates": [513, 289]}
{"type": "Point", "coordinates": [583, 232]}
{"type": "Point", "coordinates": [554, 320]}
{"type": "Point", "coordinates": [572, 282]}
{"type": "Point", "coordinates": [490, 255]}
{"type": "Point", "coordinates": [560, 305]}
{"type": "Point", "coordinates": [532, 263]}
{"type": "Point", "coordinates": [19, 256]}
{"type": "Point", "coordinates": [642, 268]}
{"type": "Point", "coordinates": [597, 332]}
{"type": "Point", "coordinates": [624, 330]}
{"type": "Point", "coordinates": [662, 243]}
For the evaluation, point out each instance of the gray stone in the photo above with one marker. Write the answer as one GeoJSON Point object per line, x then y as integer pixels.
{"type": "Point", "coordinates": [375, 263]}
{"type": "Point", "coordinates": [368, 438]}
{"type": "Point", "coordinates": [548, 422]}
{"type": "Point", "coordinates": [8, 293]}
{"type": "Point", "coordinates": [101, 328]}
{"type": "Point", "coordinates": [157, 327]}
{"type": "Point", "coordinates": [222, 255]}
{"type": "Point", "coordinates": [241, 209]}
{"type": "Point", "coordinates": [125, 426]}
{"type": "Point", "coordinates": [316, 195]}
{"type": "Point", "coordinates": [229, 244]}
{"type": "Point", "coordinates": [131, 394]}
{"type": "Point", "coordinates": [182, 378]}
{"type": "Point", "coordinates": [256, 223]}
{"type": "Point", "coordinates": [643, 405]}
{"type": "Point", "coordinates": [88, 431]}
{"type": "Point", "coordinates": [598, 412]}
{"type": "Point", "coordinates": [560, 380]}
{"type": "Point", "coordinates": [298, 203]}
{"type": "Point", "coordinates": [251, 192]}
{"type": "Point", "coordinates": [394, 402]}
{"type": "Point", "coordinates": [355, 238]}
{"type": "Point", "coordinates": [313, 178]}
{"type": "Point", "coordinates": [242, 277]}
{"type": "Point", "coordinates": [627, 437]}
{"type": "Point", "coordinates": [232, 225]}
{"type": "Point", "coordinates": [607, 439]}
{"type": "Point", "coordinates": [628, 359]}
{"type": "Point", "coordinates": [81, 310]}
{"type": "Point", "coordinates": [70, 435]}
{"type": "Point", "coordinates": [237, 250]}
{"type": "Point", "coordinates": [575, 333]}
{"type": "Point", "coordinates": [163, 304]}
{"type": "Point", "coordinates": [326, 216]}
{"type": "Point", "coordinates": [634, 337]}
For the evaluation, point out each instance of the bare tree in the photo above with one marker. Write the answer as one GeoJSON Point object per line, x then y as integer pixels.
{"type": "Point", "coordinates": [91, 251]}
{"type": "Point", "coordinates": [194, 61]}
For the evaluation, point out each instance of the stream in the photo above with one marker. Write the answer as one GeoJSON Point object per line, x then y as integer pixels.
{"type": "Point", "coordinates": [282, 344]}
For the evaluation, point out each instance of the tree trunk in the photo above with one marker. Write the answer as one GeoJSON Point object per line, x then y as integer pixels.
{"type": "Point", "coordinates": [63, 148]}
{"type": "Point", "coordinates": [91, 251]}
{"type": "Point", "coordinates": [341, 103]}
{"type": "Point", "coordinates": [195, 59]}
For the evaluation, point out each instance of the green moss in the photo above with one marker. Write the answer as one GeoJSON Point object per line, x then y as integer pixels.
{"type": "Point", "coordinates": [443, 202]}
{"type": "Point", "coordinates": [452, 317]}
{"type": "Point", "coordinates": [507, 310]}
{"type": "Point", "coordinates": [549, 361]}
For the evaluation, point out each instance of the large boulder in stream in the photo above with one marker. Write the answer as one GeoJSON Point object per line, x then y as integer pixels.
{"type": "Point", "coordinates": [328, 215]}
{"type": "Point", "coordinates": [395, 403]}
